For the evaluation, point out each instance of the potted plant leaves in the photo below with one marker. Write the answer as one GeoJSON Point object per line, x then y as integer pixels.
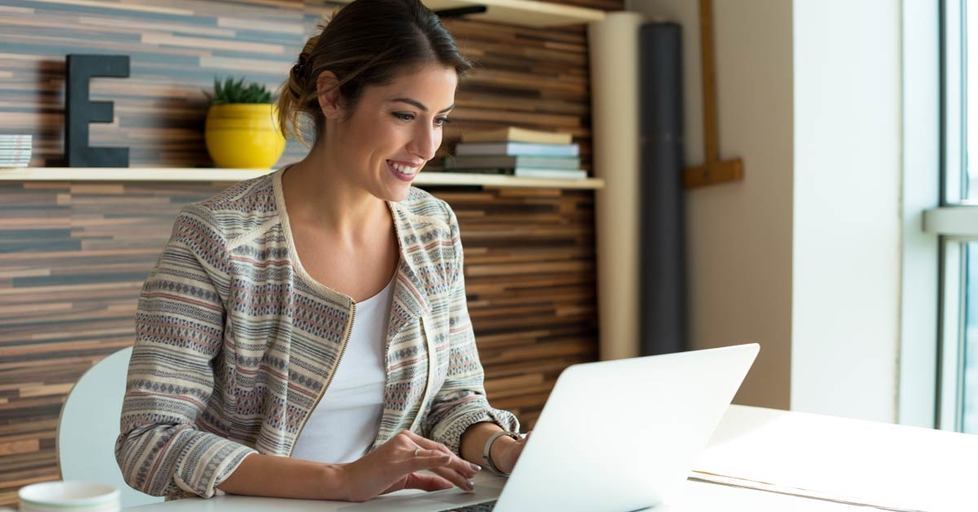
{"type": "Point", "coordinates": [241, 129]}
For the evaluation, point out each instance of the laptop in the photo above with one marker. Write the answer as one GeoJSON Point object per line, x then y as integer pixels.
{"type": "Point", "coordinates": [616, 436]}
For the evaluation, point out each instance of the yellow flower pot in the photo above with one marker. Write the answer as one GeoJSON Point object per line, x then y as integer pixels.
{"type": "Point", "coordinates": [243, 135]}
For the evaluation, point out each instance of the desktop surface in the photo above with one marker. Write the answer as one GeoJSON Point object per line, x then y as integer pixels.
{"type": "Point", "coordinates": [757, 460]}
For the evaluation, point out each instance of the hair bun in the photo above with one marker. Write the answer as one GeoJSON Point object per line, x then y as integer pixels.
{"type": "Point", "coordinates": [364, 43]}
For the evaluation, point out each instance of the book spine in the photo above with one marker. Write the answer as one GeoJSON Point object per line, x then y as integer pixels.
{"type": "Point", "coordinates": [516, 149]}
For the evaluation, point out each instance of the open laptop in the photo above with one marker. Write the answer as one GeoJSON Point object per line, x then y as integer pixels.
{"type": "Point", "coordinates": [614, 436]}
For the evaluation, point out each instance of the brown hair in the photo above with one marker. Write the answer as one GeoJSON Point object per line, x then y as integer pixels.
{"type": "Point", "coordinates": [366, 42]}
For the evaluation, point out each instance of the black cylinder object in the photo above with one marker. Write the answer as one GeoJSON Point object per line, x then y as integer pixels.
{"type": "Point", "coordinates": [662, 266]}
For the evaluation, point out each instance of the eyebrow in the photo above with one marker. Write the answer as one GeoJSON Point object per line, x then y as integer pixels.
{"type": "Point", "coordinates": [420, 105]}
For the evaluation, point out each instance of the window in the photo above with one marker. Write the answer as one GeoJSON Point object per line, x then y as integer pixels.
{"type": "Point", "coordinates": [958, 400]}
{"type": "Point", "coordinates": [955, 221]}
{"type": "Point", "coordinates": [969, 366]}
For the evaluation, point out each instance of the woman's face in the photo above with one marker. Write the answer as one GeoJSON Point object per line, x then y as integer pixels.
{"type": "Point", "coordinates": [395, 129]}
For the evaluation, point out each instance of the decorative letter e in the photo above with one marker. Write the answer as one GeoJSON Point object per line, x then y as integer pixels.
{"type": "Point", "coordinates": [79, 111]}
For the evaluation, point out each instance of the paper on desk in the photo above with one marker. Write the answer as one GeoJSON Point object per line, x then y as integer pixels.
{"type": "Point", "coordinates": [887, 466]}
{"type": "Point", "coordinates": [699, 496]}
{"type": "Point", "coordinates": [697, 476]}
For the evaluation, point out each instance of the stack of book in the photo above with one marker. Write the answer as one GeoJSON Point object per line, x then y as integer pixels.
{"type": "Point", "coordinates": [517, 152]}
{"type": "Point", "coordinates": [15, 150]}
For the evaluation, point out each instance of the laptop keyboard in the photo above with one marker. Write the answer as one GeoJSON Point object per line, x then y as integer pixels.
{"type": "Point", "coordinates": [485, 506]}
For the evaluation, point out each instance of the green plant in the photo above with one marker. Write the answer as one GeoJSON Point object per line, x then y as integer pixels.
{"type": "Point", "coordinates": [237, 92]}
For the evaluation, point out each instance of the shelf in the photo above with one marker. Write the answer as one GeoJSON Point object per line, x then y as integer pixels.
{"type": "Point", "coordinates": [527, 13]}
{"type": "Point", "coordinates": [135, 174]}
{"type": "Point", "coordinates": [498, 180]}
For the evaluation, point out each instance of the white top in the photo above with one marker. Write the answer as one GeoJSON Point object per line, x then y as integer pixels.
{"type": "Point", "coordinates": [344, 424]}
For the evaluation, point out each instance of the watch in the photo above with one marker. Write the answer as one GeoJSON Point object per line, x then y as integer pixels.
{"type": "Point", "coordinates": [485, 451]}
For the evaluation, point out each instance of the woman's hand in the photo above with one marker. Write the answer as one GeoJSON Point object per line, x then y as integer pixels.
{"type": "Point", "coordinates": [394, 465]}
{"type": "Point", "coordinates": [509, 453]}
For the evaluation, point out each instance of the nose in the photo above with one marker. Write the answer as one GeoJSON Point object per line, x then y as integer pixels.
{"type": "Point", "coordinates": [425, 142]}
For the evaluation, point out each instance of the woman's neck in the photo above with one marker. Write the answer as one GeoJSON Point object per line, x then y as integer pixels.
{"type": "Point", "coordinates": [318, 192]}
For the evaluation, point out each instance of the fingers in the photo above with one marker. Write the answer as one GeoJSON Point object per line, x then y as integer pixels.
{"type": "Point", "coordinates": [393, 466]}
{"type": "Point", "coordinates": [439, 463]}
{"type": "Point", "coordinates": [463, 467]}
{"type": "Point", "coordinates": [438, 459]}
{"type": "Point", "coordinates": [454, 477]}
{"type": "Point", "coordinates": [424, 442]}
{"type": "Point", "coordinates": [426, 482]}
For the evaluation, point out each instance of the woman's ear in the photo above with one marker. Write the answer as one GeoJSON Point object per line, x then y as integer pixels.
{"type": "Point", "coordinates": [328, 94]}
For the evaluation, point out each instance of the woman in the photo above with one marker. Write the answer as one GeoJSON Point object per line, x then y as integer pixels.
{"type": "Point", "coordinates": [305, 334]}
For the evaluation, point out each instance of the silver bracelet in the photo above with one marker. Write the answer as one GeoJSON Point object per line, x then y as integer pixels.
{"type": "Point", "coordinates": [485, 451]}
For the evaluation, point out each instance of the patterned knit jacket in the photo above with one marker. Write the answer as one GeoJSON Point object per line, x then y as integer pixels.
{"type": "Point", "coordinates": [236, 344]}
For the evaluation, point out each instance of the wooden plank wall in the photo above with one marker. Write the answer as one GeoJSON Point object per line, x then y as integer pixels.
{"type": "Point", "coordinates": [72, 260]}
{"type": "Point", "coordinates": [530, 282]}
{"type": "Point", "coordinates": [531, 77]}
{"type": "Point", "coordinates": [73, 255]}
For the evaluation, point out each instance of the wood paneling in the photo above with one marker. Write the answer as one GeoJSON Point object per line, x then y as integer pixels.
{"type": "Point", "coordinates": [73, 255]}
{"type": "Point", "coordinates": [530, 281]}
{"type": "Point", "coordinates": [72, 259]}
{"type": "Point", "coordinates": [531, 77]}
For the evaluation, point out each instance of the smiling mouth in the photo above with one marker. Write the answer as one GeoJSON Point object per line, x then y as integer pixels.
{"type": "Point", "coordinates": [402, 171]}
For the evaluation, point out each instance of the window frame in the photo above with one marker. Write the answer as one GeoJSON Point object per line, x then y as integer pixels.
{"type": "Point", "coordinates": [917, 393]}
{"type": "Point", "coordinates": [953, 222]}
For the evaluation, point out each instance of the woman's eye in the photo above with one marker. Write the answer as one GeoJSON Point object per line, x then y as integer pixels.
{"type": "Point", "coordinates": [439, 121]}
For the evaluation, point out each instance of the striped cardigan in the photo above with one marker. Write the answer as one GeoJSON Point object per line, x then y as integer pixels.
{"type": "Point", "coordinates": [236, 344]}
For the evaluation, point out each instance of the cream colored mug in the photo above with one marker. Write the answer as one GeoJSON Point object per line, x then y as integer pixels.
{"type": "Point", "coordinates": [69, 496]}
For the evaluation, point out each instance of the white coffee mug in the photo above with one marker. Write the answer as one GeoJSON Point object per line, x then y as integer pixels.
{"type": "Point", "coordinates": [69, 496]}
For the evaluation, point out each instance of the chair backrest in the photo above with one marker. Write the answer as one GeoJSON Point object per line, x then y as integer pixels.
{"type": "Point", "coordinates": [89, 425]}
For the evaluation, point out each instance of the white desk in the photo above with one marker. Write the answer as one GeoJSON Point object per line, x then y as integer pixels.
{"type": "Point", "coordinates": [770, 461]}
{"type": "Point", "coordinates": [889, 466]}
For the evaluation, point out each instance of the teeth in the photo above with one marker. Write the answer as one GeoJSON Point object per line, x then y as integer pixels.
{"type": "Point", "coordinates": [410, 171]}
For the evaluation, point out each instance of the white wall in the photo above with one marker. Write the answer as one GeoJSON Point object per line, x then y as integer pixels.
{"type": "Point", "coordinates": [739, 235]}
{"type": "Point", "coordinates": [803, 255]}
{"type": "Point", "coordinates": [847, 168]}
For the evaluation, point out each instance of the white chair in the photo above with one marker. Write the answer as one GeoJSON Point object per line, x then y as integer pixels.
{"type": "Point", "coordinates": [89, 425]}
